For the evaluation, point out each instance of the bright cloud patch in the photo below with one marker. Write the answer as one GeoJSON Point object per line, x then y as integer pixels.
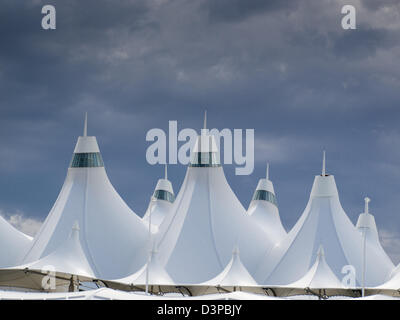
{"type": "Point", "coordinates": [24, 224]}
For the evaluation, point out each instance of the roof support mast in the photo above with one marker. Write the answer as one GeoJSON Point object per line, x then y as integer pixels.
{"type": "Point", "coordinates": [85, 126]}
{"type": "Point", "coordinates": [367, 200]}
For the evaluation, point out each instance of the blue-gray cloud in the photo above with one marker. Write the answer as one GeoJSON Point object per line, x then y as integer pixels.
{"type": "Point", "coordinates": [285, 68]}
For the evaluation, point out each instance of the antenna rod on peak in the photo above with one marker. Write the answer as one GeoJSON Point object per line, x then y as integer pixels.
{"type": "Point", "coordinates": [366, 200]}
{"type": "Point", "coordinates": [205, 119]}
{"type": "Point", "coordinates": [85, 126]}
{"type": "Point", "coordinates": [324, 164]}
{"type": "Point", "coordinates": [166, 172]}
{"type": "Point", "coordinates": [267, 176]}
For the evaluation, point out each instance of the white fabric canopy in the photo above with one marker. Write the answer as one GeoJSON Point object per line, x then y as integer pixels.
{"type": "Point", "coordinates": [235, 274]}
{"type": "Point", "coordinates": [266, 213]}
{"type": "Point", "coordinates": [325, 223]}
{"type": "Point", "coordinates": [14, 244]}
{"type": "Point", "coordinates": [320, 276]}
{"type": "Point", "coordinates": [113, 237]}
{"type": "Point", "coordinates": [206, 221]}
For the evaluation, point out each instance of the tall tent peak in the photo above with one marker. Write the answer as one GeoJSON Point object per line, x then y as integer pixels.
{"type": "Point", "coordinates": [86, 152]}
{"type": "Point", "coordinates": [205, 152]}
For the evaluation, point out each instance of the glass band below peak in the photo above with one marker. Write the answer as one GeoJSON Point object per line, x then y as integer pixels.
{"type": "Point", "coordinates": [164, 195]}
{"type": "Point", "coordinates": [87, 160]}
{"type": "Point", "coordinates": [265, 195]}
{"type": "Point", "coordinates": [205, 159]}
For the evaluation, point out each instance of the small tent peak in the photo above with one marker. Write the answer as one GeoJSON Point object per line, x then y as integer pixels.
{"type": "Point", "coordinates": [75, 231]}
{"type": "Point", "coordinates": [75, 227]}
{"type": "Point", "coordinates": [153, 250]}
{"type": "Point", "coordinates": [235, 251]}
{"type": "Point", "coordinates": [321, 252]}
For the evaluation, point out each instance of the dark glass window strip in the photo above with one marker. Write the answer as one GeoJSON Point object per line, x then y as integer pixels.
{"type": "Point", "coordinates": [164, 195]}
{"type": "Point", "coordinates": [87, 160]}
{"type": "Point", "coordinates": [205, 159]}
{"type": "Point", "coordinates": [265, 195]}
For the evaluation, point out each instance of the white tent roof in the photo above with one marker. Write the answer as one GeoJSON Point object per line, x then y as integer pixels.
{"type": "Point", "coordinates": [68, 258]}
{"type": "Point", "coordinates": [205, 222]}
{"type": "Point", "coordinates": [156, 273]}
{"type": "Point", "coordinates": [14, 244]}
{"type": "Point", "coordinates": [235, 274]}
{"type": "Point", "coordinates": [264, 209]}
{"type": "Point", "coordinates": [320, 276]}
{"type": "Point", "coordinates": [323, 222]}
{"type": "Point", "coordinates": [113, 237]}
{"type": "Point", "coordinates": [160, 203]}
{"type": "Point", "coordinates": [366, 223]}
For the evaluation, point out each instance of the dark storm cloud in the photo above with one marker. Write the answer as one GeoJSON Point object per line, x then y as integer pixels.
{"type": "Point", "coordinates": [376, 5]}
{"type": "Point", "coordinates": [285, 68]}
{"type": "Point", "coordinates": [237, 10]}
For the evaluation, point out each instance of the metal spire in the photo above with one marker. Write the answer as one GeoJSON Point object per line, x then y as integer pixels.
{"type": "Point", "coordinates": [366, 200]}
{"type": "Point", "coordinates": [205, 120]}
{"type": "Point", "coordinates": [166, 172]}
{"type": "Point", "coordinates": [85, 126]}
{"type": "Point", "coordinates": [267, 176]}
{"type": "Point", "coordinates": [324, 164]}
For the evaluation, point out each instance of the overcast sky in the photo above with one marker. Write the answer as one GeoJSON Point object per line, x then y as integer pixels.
{"type": "Point", "coordinates": [284, 68]}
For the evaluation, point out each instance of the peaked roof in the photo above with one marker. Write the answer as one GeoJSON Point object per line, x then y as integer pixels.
{"type": "Point", "coordinates": [323, 222]}
{"type": "Point", "coordinates": [68, 258]}
{"type": "Point", "coordinates": [153, 270]}
{"type": "Point", "coordinates": [234, 274]}
{"type": "Point", "coordinates": [160, 203]}
{"type": "Point", "coordinates": [14, 244]}
{"type": "Point", "coordinates": [106, 222]}
{"type": "Point", "coordinates": [320, 276]}
{"type": "Point", "coordinates": [264, 210]}
{"type": "Point", "coordinates": [197, 235]}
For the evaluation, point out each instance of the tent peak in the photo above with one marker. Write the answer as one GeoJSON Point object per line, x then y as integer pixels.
{"type": "Point", "coordinates": [75, 227]}
{"type": "Point", "coordinates": [321, 252]}
{"type": "Point", "coordinates": [235, 251]}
